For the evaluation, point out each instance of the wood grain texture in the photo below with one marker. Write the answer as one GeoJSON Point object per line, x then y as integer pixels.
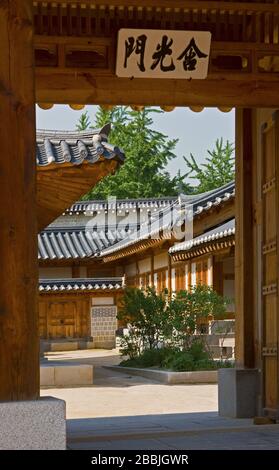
{"type": "Point", "coordinates": [59, 188]}
{"type": "Point", "coordinates": [19, 338]}
{"type": "Point", "coordinates": [64, 316]}
{"type": "Point", "coordinates": [244, 240]}
{"type": "Point", "coordinates": [86, 88]}
{"type": "Point", "coordinates": [268, 350]}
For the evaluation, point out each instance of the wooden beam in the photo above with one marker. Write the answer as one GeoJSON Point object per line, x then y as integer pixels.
{"type": "Point", "coordinates": [87, 88]}
{"type": "Point", "coordinates": [75, 271]}
{"type": "Point", "coordinates": [19, 335]}
{"type": "Point", "coordinates": [59, 188]}
{"type": "Point", "coordinates": [244, 269]}
{"type": "Point", "coordinates": [230, 6]}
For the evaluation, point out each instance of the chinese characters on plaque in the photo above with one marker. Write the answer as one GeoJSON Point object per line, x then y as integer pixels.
{"type": "Point", "coordinates": [162, 54]}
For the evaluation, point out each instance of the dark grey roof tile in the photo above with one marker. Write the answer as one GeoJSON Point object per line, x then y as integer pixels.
{"type": "Point", "coordinates": [75, 147]}
{"type": "Point", "coordinates": [80, 284]}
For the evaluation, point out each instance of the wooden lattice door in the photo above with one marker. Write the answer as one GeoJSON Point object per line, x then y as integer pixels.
{"type": "Point", "coordinates": [62, 319]}
{"type": "Point", "coordinates": [270, 264]}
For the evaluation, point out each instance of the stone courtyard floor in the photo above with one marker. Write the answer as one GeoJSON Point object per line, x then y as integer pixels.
{"type": "Point", "coordinates": [121, 412]}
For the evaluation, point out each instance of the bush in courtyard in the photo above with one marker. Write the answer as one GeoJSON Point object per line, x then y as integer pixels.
{"type": "Point", "coordinates": [149, 358]}
{"type": "Point", "coordinates": [190, 308]}
{"type": "Point", "coordinates": [146, 315]}
{"type": "Point", "coordinates": [163, 331]}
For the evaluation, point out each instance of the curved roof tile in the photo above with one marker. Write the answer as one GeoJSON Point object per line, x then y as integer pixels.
{"type": "Point", "coordinates": [218, 233]}
{"type": "Point", "coordinates": [200, 202]}
{"type": "Point", "coordinates": [75, 147]}
{"type": "Point", "coordinates": [76, 284]}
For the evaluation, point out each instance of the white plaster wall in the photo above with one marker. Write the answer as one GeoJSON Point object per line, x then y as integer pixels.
{"type": "Point", "coordinates": [55, 273]}
{"type": "Point", "coordinates": [155, 280]}
{"type": "Point", "coordinates": [102, 301]}
{"type": "Point", "coordinates": [144, 265]}
{"type": "Point", "coordinates": [210, 271]}
{"type": "Point", "coordinates": [160, 261]}
{"type": "Point", "coordinates": [173, 286]}
{"type": "Point", "coordinates": [193, 274]}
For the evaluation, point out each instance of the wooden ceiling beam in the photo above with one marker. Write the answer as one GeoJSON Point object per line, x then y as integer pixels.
{"type": "Point", "coordinates": [229, 6]}
{"type": "Point", "coordinates": [87, 88]}
{"type": "Point", "coordinates": [57, 190]}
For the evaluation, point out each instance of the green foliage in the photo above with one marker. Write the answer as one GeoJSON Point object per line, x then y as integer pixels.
{"type": "Point", "coordinates": [147, 315]}
{"type": "Point", "coordinates": [83, 122]}
{"type": "Point", "coordinates": [147, 154]}
{"type": "Point", "coordinates": [218, 170]}
{"type": "Point", "coordinates": [189, 308]}
{"type": "Point", "coordinates": [168, 325]}
{"type": "Point", "coordinates": [195, 358]}
{"type": "Point", "coordinates": [149, 358]}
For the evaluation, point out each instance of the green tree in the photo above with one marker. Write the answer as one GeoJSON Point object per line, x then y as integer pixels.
{"type": "Point", "coordinates": [146, 313]}
{"type": "Point", "coordinates": [155, 319]}
{"type": "Point", "coordinates": [83, 122]}
{"type": "Point", "coordinates": [218, 169]}
{"type": "Point", "coordinates": [147, 153]}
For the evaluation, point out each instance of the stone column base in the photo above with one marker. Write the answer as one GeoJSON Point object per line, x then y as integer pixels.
{"type": "Point", "coordinates": [33, 425]}
{"type": "Point", "coordinates": [237, 392]}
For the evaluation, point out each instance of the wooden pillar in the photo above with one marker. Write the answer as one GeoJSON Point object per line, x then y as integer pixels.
{"type": "Point", "coordinates": [19, 335]}
{"type": "Point", "coordinates": [244, 269]}
{"type": "Point", "coordinates": [218, 276]}
{"type": "Point", "coordinates": [169, 276]}
{"type": "Point", "coordinates": [152, 269]}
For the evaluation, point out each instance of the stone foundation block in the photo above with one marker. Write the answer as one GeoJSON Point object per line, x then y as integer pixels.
{"type": "Point", "coordinates": [33, 425]}
{"type": "Point", "coordinates": [59, 374]}
{"type": "Point", "coordinates": [237, 392]}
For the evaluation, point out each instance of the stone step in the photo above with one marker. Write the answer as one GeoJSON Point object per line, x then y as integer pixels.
{"type": "Point", "coordinates": [62, 374]}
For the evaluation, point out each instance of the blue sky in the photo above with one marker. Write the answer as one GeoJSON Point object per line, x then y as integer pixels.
{"type": "Point", "coordinates": [196, 132]}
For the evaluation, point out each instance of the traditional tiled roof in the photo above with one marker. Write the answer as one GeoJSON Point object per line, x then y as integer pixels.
{"type": "Point", "coordinates": [80, 284]}
{"type": "Point", "coordinates": [218, 233]}
{"type": "Point", "coordinates": [75, 147]}
{"type": "Point", "coordinates": [200, 203]}
{"type": "Point", "coordinates": [120, 204]}
{"type": "Point", "coordinates": [206, 201]}
{"type": "Point", "coordinates": [76, 242]}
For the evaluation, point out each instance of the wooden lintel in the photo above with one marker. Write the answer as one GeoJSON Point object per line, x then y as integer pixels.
{"type": "Point", "coordinates": [87, 88]}
{"type": "Point", "coordinates": [173, 5]}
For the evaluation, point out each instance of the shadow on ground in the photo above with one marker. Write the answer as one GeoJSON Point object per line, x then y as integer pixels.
{"type": "Point", "coordinates": [180, 431]}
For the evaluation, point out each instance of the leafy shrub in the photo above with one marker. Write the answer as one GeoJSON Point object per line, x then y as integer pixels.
{"type": "Point", "coordinates": [162, 330]}
{"type": "Point", "coordinates": [179, 361]}
{"type": "Point", "coordinates": [175, 360]}
{"type": "Point", "coordinates": [149, 358]}
{"type": "Point", "coordinates": [198, 352]}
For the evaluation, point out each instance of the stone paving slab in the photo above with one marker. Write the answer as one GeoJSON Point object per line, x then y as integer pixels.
{"type": "Point", "coordinates": [138, 425]}
{"type": "Point", "coordinates": [242, 439]}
